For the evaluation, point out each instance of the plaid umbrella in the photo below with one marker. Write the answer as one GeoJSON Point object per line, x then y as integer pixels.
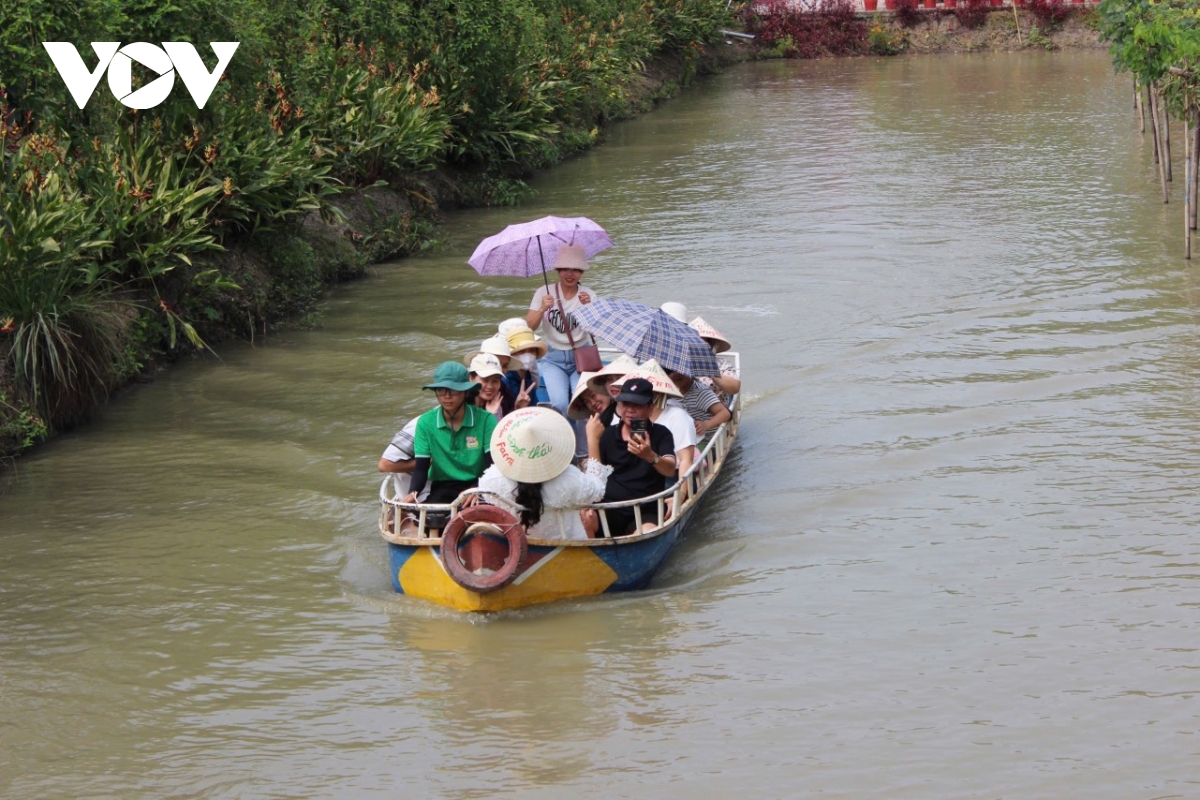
{"type": "Point", "coordinates": [644, 332]}
{"type": "Point", "coordinates": [525, 249]}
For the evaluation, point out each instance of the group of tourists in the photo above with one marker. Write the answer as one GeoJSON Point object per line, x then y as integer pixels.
{"type": "Point", "coordinates": [622, 432]}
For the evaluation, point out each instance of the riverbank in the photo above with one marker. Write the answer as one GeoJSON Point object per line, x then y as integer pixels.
{"type": "Point", "coordinates": [278, 277]}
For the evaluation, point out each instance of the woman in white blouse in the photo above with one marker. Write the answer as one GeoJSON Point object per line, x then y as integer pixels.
{"type": "Point", "coordinates": [532, 450]}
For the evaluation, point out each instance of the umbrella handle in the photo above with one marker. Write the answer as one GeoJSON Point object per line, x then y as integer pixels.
{"type": "Point", "coordinates": [542, 256]}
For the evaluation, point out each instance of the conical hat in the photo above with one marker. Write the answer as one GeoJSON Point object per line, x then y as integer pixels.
{"type": "Point", "coordinates": [720, 343]}
{"type": "Point", "coordinates": [533, 445]}
{"type": "Point", "coordinates": [621, 365]}
{"type": "Point", "coordinates": [576, 409]}
{"type": "Point", "coordinates": [658, 378]}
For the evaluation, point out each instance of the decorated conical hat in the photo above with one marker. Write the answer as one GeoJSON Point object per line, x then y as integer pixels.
{"type": "Point", "coordinates": [706, 331]}
{"type": "Point", "coordinates": [621, 365]}
{"type": "Point", "coordinates": [658, 378]}
{"type": "Point", "coordinates": [533, 445]}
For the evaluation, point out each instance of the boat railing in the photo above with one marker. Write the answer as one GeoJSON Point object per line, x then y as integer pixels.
{"type": "Point", "coordinates": [671, 502]}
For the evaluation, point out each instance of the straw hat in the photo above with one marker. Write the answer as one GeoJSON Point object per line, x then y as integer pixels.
{"type": "Point", "coordinates": [676, 310]}
{"type": "Point", "coordinates": [497, 346]}
{"type": "Point", "coordinates": [719, 343]}
{"type": "Point", "coordinates": [571, 256]}
{"type": "Point", "coordinates": [523, 338]}
{"type": "Point", "coordinates": [658, 378]}
{"type": "Point", "coordinates": [621, 365]}
{"type": "Point", "coordinates": [485, 365]}
{"type": "Point", "coordinates": [533, 445]}
{"type": "Point", "coordinates": [577, 409]}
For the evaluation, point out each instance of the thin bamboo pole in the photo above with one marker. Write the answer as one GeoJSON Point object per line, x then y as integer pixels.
{"type": "Point", "coordinates": [1166, 136]}
{"type": "Point", "coordinates": [1153, 121]}
{"type": "Point", "coordinates": [1139, 109]}
{"type": "Point", "coordinates": [1187, 183]}
{"type": "Point", "coordinates": [1155, 131]}
{"type": "Point", "coordinates": [1195, 187]}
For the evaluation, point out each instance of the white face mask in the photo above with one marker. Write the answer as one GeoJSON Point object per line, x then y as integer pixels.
{"type": "Point", "coordinates": [528, 360]}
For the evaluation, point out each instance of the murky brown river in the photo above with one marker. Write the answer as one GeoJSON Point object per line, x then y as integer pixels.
{"type": "Point", "coordinates": [957, 555]}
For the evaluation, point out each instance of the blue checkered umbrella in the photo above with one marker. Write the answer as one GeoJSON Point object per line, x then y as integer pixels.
{"type": "Point", "coordinates": [644, 332]}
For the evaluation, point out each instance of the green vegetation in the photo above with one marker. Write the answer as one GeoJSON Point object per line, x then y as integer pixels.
{"type": "Point", "coordinates": [128, 236]}
{"type": "Point", "coordinates": [1159, 43]}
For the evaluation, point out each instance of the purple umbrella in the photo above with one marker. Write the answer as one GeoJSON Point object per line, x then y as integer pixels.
{"type": "Point", "coordinates": [524, 250]}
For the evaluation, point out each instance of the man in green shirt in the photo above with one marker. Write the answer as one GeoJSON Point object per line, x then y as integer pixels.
{"type": "Point", "coordinates": [452, 441]}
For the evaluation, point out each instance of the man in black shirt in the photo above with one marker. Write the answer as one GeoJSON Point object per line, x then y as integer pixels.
{"type": "Point", "coordinates": [643, 462]}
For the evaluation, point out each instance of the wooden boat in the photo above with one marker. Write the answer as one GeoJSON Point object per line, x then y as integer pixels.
{"type": "Point", "coordinates": [544, 570]}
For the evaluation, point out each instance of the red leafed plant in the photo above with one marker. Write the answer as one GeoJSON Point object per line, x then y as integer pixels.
{"type": "Point", "coordinates": [808, 28]}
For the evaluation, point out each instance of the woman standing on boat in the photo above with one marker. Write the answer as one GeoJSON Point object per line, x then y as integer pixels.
{"type": "Point", "coordinates": [552, 312]}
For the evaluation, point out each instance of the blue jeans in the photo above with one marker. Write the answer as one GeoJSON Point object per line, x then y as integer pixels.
{"type": "Point", "coordinates": [557, 369]}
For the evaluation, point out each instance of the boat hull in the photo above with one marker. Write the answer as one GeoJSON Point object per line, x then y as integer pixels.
{"type": "Point", "coordinates": [551, 572]}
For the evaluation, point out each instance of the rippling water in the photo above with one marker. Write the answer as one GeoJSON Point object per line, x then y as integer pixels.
{"type": "Point", "coordinates": [956, 556]}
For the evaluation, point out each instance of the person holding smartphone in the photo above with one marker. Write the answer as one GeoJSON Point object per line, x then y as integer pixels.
{"type": "Point", "coordinates": [641, 453]}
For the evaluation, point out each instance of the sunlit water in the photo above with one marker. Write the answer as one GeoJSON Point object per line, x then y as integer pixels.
{"type": "Point", "coordinates": [957, 554]}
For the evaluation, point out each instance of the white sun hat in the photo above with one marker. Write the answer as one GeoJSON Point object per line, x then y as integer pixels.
{"type": "Point", "coordinates": [496, 345]}
{"type": "Point", "coordinates": [676, 310]}
{"type": "Point", "coordinates": [485, 365]}
{"type": "Point", "coordinates": [621, 365]}
{"type": "Point", "coordinates": [533, 445]}
{"type": "Point", "coordinates": [512, 322]}
{"type": "Point", "coordinates": [719, 343]}
{"type": "Point", "coordinates": [576, 409]}
{"type": "Point", "coordinates": [658, 377]}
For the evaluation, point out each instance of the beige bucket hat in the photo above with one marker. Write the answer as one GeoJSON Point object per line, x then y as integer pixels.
{"type": "Point", "coordinates": [533, 445]}
{"type": "Point", "coordinates": [523, 338]}
{"type": "Point", "coordinates": [719, 343]}
{"type": "Point", "coordinates": [658, 377]}
{"type": "Point", "coordinates": [621, 365]}
{"type": "Point", "coordinates": [571, 256]}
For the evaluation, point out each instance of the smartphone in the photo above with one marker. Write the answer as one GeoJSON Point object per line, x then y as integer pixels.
{"type": "Point", "coordinates": [639, 426]}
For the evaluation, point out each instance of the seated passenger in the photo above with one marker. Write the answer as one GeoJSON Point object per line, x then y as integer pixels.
{"type": "Point", "coordinates": [667, 411]}
{"type": "Point", "coordinates": [729, 383]}
{"type": "Point", "coordinates": [704, 407]}
{"type": "Point", "coordinates": [398, 458]}
{"type": "Point", "coordinates": [450, 442]}
{"type": "Point", "coordinates": [526, 349]}
{"type": "Point", "coordinates": [531, 466]}
{"type": "Point", "coordinates": [643, 463]}
{"type": "Point", "coordinates": [586, 401]}
{"type": "Point", "coordinates": [612, 375]}
{"type": "Point", "coordinates": [493, 394]}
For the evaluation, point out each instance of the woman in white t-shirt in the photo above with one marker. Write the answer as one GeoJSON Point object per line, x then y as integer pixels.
{"type": "Point", "coordinates": [546, 312]}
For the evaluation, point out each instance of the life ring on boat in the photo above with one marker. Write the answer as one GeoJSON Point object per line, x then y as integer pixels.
{"type": "Point", "coordinates": [489, 568]}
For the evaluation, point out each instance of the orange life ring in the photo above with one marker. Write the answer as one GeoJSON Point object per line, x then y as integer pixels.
{"type": "Point", "coordinates": [492, 522]}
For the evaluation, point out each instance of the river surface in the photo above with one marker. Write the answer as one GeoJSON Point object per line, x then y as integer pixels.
{"type": "Point", "coordinates": [957, 553]}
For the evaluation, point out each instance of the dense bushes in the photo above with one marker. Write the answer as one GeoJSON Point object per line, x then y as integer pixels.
{"type": "Point", "coordinates": [112, 221]}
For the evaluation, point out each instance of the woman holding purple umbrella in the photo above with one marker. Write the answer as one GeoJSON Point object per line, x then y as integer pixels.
{"type": "Point", "coordinates": [551, 312]}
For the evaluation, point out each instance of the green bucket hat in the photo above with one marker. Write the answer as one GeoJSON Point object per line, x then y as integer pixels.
{"type": "Point", "coordinates": [451, 375]}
